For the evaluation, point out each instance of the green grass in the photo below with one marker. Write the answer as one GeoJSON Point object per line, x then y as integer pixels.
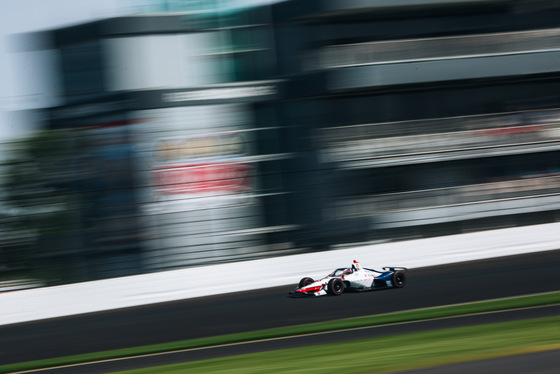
{"type": "Point", "coordinates": [399, 317]}
{"type": "Point", "coordinates": [388, 354]}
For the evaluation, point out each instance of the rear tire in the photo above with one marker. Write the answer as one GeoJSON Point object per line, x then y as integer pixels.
{"type": "Point", "coordinates": [399, 279]}
{"type": "Point", "coordinates": [304, 282]}
{"type": "Point", "coordinates": [335, 287]}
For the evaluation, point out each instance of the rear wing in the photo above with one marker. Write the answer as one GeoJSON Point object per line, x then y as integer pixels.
{"type": "Point", "coordinates": [393, 268]}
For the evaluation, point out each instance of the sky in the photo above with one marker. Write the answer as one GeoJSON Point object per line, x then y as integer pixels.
{"type": "Point", "coordinates": [24, 86]}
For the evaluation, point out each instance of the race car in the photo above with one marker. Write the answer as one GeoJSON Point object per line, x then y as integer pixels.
{"type": "Point", "coordinates": [354, 278]}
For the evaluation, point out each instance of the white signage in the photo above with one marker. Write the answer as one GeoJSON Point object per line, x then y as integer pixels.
{"type": "Point", "coordinates": [218, 94]}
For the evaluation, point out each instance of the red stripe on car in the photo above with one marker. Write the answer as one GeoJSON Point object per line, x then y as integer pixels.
{"type": "Point", "coordinates": [310, 289]}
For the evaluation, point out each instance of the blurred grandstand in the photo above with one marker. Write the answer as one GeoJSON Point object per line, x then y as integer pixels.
{"type": "Point", "coordinates": [196, 137]}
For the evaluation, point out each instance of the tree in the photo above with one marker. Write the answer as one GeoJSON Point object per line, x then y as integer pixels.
{"type": "Point", "coordinates": [36, 197]}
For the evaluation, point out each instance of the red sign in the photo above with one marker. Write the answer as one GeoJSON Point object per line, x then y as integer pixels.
{"type": "Point", "coordinates": [195, 178]}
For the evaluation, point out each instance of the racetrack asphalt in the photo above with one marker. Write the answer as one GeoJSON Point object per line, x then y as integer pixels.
{"type": "Point", "coordinates": [266, 308]}
{"type": "Point", "coordinates": [133, 363]}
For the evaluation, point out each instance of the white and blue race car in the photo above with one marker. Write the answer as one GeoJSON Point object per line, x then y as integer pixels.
{"type": "Point", "coordinates": [354, 278]}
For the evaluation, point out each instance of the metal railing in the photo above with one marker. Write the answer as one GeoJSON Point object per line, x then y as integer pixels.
{"type": "Point", "coordinates": [446, 197]}
{"type": "Point", "coordinates": [394, 51]}
{"type": "Point", "coordinates": [436, 125]}
{"type": "Point", "coordinates": [391, 139]}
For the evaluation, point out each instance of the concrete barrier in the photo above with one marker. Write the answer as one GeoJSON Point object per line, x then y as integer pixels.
{"type": "Point", "coordinates": [72, 299]}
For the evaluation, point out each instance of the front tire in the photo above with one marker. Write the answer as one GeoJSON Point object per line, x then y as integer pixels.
{"type": "Point", "coordinates": [304, 282]}
{"type": "Point", "coordinates": [399, 279]}
{"type": "Point", "coordinates": [335, 287]}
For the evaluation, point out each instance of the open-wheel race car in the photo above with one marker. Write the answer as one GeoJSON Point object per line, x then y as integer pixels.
{"type": "Point", "coordinates": [354, 278]}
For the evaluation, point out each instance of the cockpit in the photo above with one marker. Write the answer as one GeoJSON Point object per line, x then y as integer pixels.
{"type": "Point", "coordinates": [341, 271]}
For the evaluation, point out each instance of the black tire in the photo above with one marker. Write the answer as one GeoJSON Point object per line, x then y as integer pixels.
{"type": "Point", "coordinates": [304, 282]}
{"type": "Point", "coordinates": [335, 287]}
{"type": "Point", "coordinates": [399, 279]}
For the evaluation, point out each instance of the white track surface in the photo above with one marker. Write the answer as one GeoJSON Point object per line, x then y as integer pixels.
{"type": "Point", "coordinates": [72, 299]}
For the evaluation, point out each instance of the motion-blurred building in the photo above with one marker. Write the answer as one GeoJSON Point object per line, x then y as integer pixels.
{"type": "Point", "coordinates": [209, 137]}
{"type": "Point", "coordinates": [425, 117]}
{"type": "Point", "coordinates": [165, 109]}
